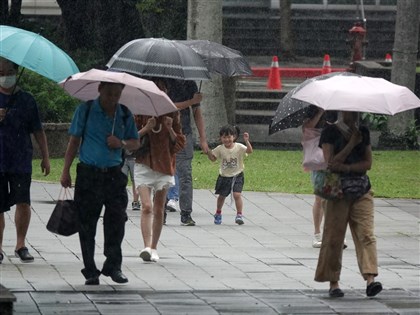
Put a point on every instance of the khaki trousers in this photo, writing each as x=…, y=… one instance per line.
x=359, y=215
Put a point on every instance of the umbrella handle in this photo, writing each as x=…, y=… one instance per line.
x=199, y=88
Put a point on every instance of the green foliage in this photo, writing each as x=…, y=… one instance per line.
x=412, y=135
x=375, y=121
x=88, y=58
x=164, y=18
x=54, y=103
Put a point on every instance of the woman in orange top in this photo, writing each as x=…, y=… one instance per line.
x=161, y=138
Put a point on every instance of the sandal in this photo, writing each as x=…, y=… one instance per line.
x=373, y=289
x=337, y=292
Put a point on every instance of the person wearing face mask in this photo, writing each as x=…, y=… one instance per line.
x=19, y=118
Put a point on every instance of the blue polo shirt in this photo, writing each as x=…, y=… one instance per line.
x=21, y=120
x=94, y=149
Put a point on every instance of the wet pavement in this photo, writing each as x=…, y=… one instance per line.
x=265, y=266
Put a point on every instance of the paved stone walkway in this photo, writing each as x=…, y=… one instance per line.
x=265, y=266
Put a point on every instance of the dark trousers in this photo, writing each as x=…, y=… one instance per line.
x=94, y=189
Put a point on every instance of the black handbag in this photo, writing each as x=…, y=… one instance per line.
x=355, y=187
x=64, y=219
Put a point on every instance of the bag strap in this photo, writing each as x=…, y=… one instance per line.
x=65, y=194
x=89, y=106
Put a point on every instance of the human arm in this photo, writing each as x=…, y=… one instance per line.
x=211, y=156
x=69, y=156
x=117, y=143
x=248, y=144
x=168, y=121
x=177, y=137
x=197, y=98
x=355, y=139
x=199, y=122
x=362, y=166
x=355, y=155
x=312, y=122
x=41, y=139
x=150, y=124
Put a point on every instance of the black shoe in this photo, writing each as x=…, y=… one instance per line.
x=187, y=220
x=373, y=289
x=116, y=276
x=92, y=281
x=23, y=254
x=1, y=258
x=336, y=292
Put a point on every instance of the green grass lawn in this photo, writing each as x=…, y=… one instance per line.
x=394, y=174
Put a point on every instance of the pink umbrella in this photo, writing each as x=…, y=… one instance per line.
x=141, y=96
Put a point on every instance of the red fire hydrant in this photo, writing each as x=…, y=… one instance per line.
x=357, y=40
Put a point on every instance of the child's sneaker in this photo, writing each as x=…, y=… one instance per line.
x=317, y=242
x=135, y=205
x=217, y=219
x=239, y=220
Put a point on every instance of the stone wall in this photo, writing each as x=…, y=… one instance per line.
x=57, y=137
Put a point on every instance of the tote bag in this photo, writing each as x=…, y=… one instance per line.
x=64, y=219
x=327, y=185
x=313, y=157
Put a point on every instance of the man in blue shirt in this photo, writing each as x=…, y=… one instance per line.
x=102, y=128
x=19, y=118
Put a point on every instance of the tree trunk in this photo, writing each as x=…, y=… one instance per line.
x=15, y=8
x=103, y=25
x=286, y=40
x=4, y=12
x=205, y=22
x=77, y=16
x=405, y=57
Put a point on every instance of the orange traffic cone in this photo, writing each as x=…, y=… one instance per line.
x=326, y=66
x=274, y=81
x=388, y=58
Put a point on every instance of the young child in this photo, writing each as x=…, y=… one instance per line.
x=231, y=177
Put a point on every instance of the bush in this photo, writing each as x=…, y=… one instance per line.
x=55, y=105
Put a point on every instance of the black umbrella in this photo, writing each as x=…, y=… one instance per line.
x=219, y=58
x=291, y=112
x=159, y=57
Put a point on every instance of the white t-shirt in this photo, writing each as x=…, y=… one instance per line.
x=231, y=160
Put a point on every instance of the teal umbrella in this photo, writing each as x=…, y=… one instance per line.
x=35, y=52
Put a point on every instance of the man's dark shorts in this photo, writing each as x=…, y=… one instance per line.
x=14, y=189
x=224, y=184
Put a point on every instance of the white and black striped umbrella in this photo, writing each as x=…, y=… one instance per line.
x=159, y=57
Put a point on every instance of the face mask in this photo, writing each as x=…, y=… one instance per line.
x=7, y=82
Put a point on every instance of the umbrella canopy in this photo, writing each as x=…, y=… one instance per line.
x=32, y=51
x=159, y=57
x=219, y=58
x=291, y=112
x=358, y=94
x=141, y=96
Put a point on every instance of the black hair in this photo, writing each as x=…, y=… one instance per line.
x=331, y=116
x=311, y=111
x=328, y=116
x=14, y=65
x=105, y=83
x=229, y=130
